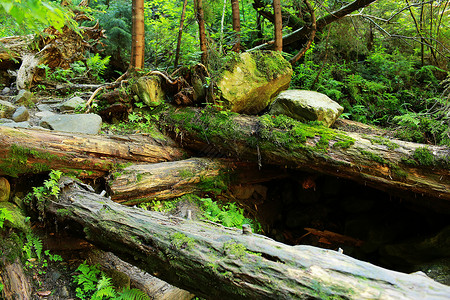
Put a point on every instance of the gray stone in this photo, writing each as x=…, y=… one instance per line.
x=24, y=97
x=6, y=90
x=21, y=114
x=5, y=120
x=24, y=124
x=251, y=81
x=82, y=123
x=306, y=106
x=43, y=114
x=44, y=107
x=72, y=104
x=6, y=109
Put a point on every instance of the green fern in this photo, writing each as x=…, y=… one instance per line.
x=5, y=215
x=132, y=294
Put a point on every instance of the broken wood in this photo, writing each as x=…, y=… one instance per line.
x=25, y=151
x=16, y=285
x=155, y=288
x=215, y=262
x=145, y=182
x=382, y=163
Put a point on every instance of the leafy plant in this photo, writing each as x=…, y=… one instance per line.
x=93, y=284
x=97, y=66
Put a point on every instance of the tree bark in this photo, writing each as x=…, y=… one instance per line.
x=278, y=26
x=25, y=151
x=388, y=164
x=201, y=31
x=236, y=25
x=16, y=284
x=138, y=35
x=215, y=262
x=180, y=33
x=168, y=180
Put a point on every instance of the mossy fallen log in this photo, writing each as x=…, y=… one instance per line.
x=383, y=163
x=223, y=263
x=25, y=151
x=144, y=182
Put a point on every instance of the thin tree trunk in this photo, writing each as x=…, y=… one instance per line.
x=201, y=31
x=138, y=35
x=278, y=30
x=312, y=33
x=180, y=33
x=236, y=25
x=221, y=25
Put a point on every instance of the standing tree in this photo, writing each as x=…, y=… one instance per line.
x=201, y=30
x=236, y=24
x=138, y=35
x=180, y=33
x=278, y=26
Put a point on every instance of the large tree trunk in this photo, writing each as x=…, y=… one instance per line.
x=168, y=180
x=236, y=25
x=278, y=26
x=388, y=164
x=201, y=30
x=138, y=35
x=223, y=263
x=32, y=151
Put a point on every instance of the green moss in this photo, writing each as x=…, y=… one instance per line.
x=216, y=184
x=269, y=63
x=238, y=250
x=185, y=174
x=181, y=241
x=16, y=161
x=424, y=156
x=383, y=141
x=374, y=157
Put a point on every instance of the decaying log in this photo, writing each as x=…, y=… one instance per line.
x=155, y=288
x=33, y=151
x=387, y=164
x=16, y=285
x=166, y=180
x=222, y=263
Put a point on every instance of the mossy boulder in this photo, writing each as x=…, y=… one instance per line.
x=4, y=189
x=249, y=82
x=306, y=106
x=6, y=109
x=149, y=90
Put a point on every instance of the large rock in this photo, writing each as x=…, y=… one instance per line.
x=306, y=106
x=72, y=104
x=5, y=189
x=21, y=114
x=251, y=81
x=149, y=90
x=6, y=109
x=82, y=123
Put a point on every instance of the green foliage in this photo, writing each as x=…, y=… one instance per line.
x=424, y=156
x=229, y=214
x=97, y=66
x=32, y=14
x=93, y=284
x=34, y=256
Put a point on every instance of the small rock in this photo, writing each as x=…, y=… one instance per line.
x=72, y=104
x=5, y=189
x=306, y=106
x=21, y=114
x=55, y=275
x=64, y=292
x=6, y=109
x=44, y=107
x=6, y=90
x=82, y=123
x=43, y=114
x=24, y=97
x=149, y=90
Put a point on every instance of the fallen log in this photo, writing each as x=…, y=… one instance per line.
x=382, y=163
x=155, y=288
x=167, y=180
x=215, y=262
x=25, y=151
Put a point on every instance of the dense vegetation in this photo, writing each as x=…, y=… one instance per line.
x=387, y=63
